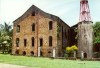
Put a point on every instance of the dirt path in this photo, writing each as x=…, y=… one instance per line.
x=11, y=66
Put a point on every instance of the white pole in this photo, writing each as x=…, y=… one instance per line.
x=39, y=51
x=82, y=54
x=54, y=52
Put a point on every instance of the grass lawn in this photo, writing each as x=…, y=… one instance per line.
x=36, y=62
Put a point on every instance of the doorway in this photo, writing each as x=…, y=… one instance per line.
x=85, y=55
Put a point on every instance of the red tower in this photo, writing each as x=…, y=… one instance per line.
x=84, y=11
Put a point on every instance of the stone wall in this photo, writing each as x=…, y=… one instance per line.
x=41, y=31
x=63, y=37
x=41, y=21
x=25, y=33
x=85, y=39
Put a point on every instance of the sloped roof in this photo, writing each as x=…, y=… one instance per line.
x=35, y=9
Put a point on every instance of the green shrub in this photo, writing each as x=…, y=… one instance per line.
x=71, y=50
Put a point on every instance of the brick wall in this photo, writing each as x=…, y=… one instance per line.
x=41, y=21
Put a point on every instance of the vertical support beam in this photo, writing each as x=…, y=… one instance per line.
x=85, y=39
x=84, y=11
x=39, y=49
x=54, y=53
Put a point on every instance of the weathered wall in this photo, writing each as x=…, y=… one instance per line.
x=85, y=39
x=41, y=31
x=41, y=21
x=44, y=32
x=62, y=37
x=25, y=33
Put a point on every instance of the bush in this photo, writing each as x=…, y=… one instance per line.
x=96, y=54
x=71, y=50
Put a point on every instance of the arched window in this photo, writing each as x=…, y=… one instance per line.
x=18, y=28
x=25, y=42
x=17, y=52
x=33, y=27
x=50, y=25
x=41, y=53
x=33, y=13
x=50, y=40
x=32, y=53
x=17, y=42
x=32, y=41
x=41, y=42
x=24, y=53
x=85, y=55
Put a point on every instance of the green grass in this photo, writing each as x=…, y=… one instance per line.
x=36, y=62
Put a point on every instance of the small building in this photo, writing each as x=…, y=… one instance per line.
x=37, y=33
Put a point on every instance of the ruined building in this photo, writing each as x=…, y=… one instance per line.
x=85, y=31
x=37, y=33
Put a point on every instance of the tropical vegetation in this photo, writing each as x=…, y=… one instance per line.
x=96, y=39
x=96, y=28
x=5, y=38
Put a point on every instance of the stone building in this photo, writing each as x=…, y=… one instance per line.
x=37, y=33
x=85, y=39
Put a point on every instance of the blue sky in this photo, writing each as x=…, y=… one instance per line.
x=67, y=10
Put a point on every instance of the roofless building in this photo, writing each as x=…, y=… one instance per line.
x=37, y=33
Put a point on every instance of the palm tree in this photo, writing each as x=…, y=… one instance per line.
x=5, y=37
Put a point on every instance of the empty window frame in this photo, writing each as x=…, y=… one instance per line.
x=18, y=28
x=41, y=42
x=50, y=40
x=33, y=27
x=50, y=25
x=24, y=53
x=41, y=53
x=33, y=13
x=32, y=53
x=17, y=52
x=25, y=42
x=17, y=42
x=32, y=41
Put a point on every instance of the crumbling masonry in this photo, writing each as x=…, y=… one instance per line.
x=37, y=33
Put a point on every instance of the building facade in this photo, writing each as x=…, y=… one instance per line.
x=37, y=33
